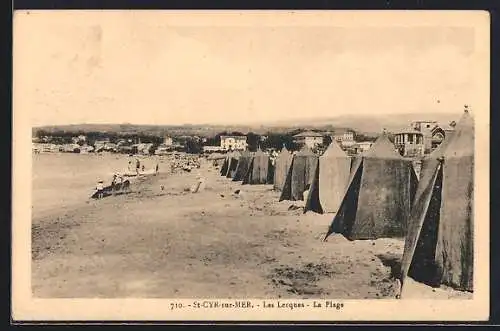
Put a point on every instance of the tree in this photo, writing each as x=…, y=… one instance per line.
x=364, y=137
x=214, y=141
x=253, y=141
x=327, y=140
x=276, y=141
x=152, y=149
x=193, y=147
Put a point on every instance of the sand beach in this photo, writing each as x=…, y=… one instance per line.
x=162, y=241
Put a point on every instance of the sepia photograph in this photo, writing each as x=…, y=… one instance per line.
x=237, y=165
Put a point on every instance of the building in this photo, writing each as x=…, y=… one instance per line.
x=105, y=145
x=168, y=141
x=70, y=148
x=100, y=145
x=84, y=149
x=410, y=142
x=212, y=149
x=438, y=134
x=142, y=148
x=425, y=127
x=362, y=146
x=309, y=138
x=345, y=137
x=125, y=149
x=45, y=148
x=433, y=133
x=80, y=139
x=235, y=143
x=163, y=150
x=110, y=147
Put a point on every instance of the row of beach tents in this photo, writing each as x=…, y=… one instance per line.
x=377, y=194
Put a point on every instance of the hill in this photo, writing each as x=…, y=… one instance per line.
x=364, y=124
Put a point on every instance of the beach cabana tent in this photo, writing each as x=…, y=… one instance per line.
x=242, y=166
x=225, y=165
x=439, y=245
x=260, y=170
x=377, y=201
x=230, y=159
x=233, y=158
x=300, y=174
x=218, y=158
x=281, y=167
x=330, y=180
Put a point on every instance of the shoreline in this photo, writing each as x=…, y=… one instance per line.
x=56, y=222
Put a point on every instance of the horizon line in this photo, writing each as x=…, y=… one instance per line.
x=279, y=122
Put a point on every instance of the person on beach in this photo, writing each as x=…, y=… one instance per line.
x=100, y=189
x=113, y=183
x=137, y=165
x=306, y=192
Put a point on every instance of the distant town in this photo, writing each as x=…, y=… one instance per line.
x=415, y=140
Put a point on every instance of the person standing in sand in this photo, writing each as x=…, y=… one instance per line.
x=114, y=182
x=306, y=193
x=100, y=189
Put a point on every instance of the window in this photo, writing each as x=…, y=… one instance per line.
x=428, y=126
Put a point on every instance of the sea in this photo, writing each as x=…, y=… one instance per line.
x=65, y=180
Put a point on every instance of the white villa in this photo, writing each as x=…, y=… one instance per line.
x=235, y=143
x=345, y=137
x=309, y=138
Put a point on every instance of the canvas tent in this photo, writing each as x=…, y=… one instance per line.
x=260, y=170
x=439, y=245
x=330, y=180
x=225, y=165
x=378, y=198
x=242, y=166
x=300, y=174
x=217, y=158
x=281, y=167
x=232, y=162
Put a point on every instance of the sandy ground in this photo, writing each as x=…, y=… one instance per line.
x=155, y=243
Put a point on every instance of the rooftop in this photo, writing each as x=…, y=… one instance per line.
x=342, y=131
x=408, y=130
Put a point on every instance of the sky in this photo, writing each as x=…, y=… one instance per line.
x=159, y=68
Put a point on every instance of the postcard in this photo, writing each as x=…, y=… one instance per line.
x=250, y=165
